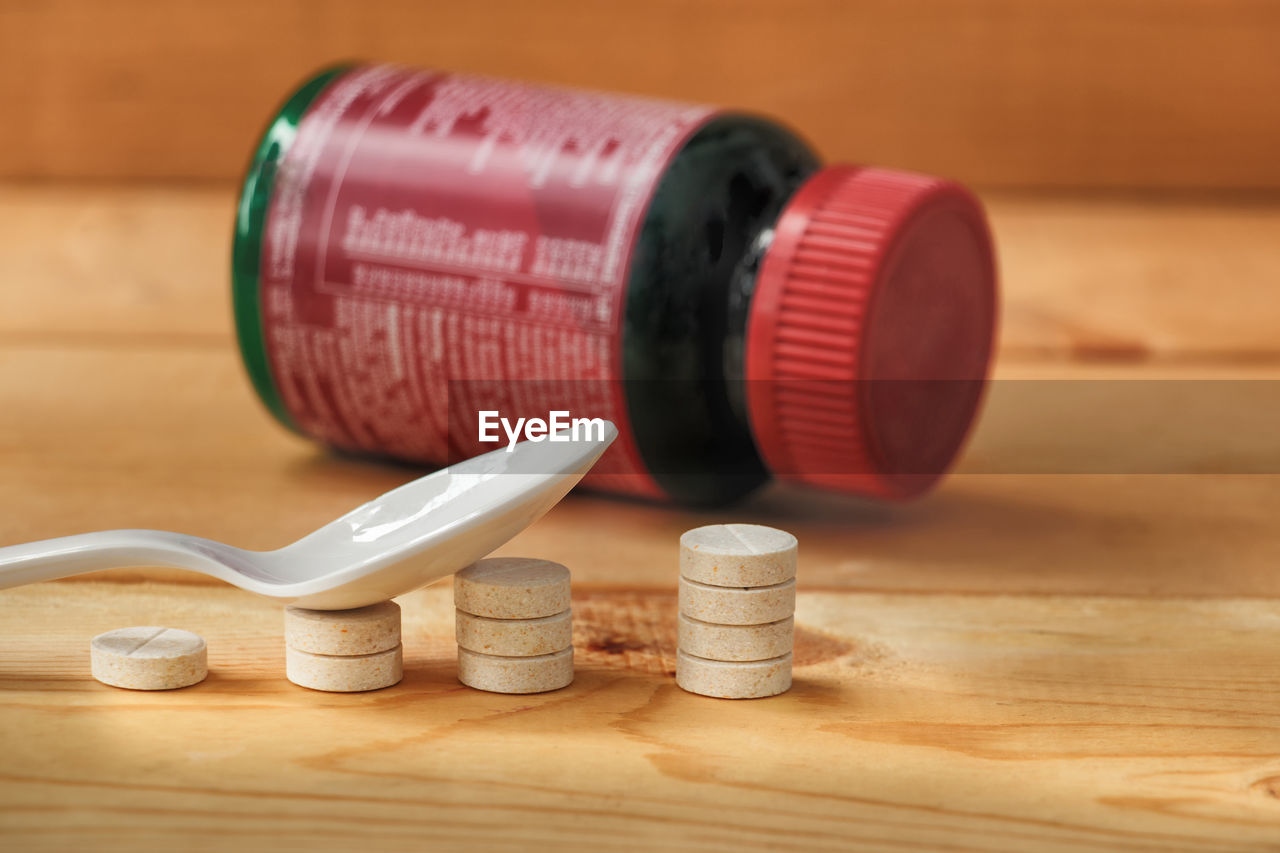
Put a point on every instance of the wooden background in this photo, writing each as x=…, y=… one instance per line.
x=1011, y=93
x=1018, y=662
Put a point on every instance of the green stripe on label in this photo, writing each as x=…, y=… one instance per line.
x=246, y=246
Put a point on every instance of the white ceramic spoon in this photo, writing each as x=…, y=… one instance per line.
x=422, y=531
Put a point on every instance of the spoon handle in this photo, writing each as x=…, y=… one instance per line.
x=50, y=559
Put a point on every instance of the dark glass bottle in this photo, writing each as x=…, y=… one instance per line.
x=692, y=277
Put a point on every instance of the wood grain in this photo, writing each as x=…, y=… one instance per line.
x=119, y=263
x=1019, y=662
x=915, y=723
x=1083, y=278
x=1132, y=280
x=168, y=436
x=124, y=405
x=1056, y=93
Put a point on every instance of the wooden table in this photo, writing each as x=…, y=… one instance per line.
x=1021, y=661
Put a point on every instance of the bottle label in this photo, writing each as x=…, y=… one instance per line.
x=439, y=244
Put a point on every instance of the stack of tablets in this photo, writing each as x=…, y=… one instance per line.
x=344, y=651
x=737, y=605
x=514, y=626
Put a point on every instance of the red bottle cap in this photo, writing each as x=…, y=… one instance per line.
x=870, y=332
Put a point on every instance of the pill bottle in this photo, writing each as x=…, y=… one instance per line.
x=413, y=248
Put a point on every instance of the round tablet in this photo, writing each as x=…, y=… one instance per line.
x=736, y=642
x=362, y=631
x=149, y=658
x=733, y=679
x=738, y=555
x=344, y=673
x=515, y=637
x=512, y=588
x=726, y=605
x=515, y=675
